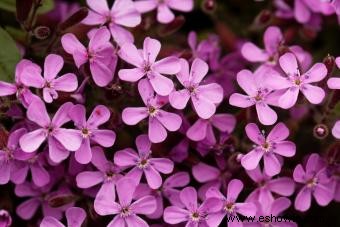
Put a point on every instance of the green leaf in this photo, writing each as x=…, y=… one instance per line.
x=9, y=5
x=9, y=56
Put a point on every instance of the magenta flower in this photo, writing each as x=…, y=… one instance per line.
x=49, y=83
x=258, y=94
x=295, y=81
x=193, y=213
x=75, y=216
x=270, y=148
x=315, y=182
x=23, y=68
x=230, y=206
x=223, y=122
x=107, y=174
x=100, y=55
x=146, y=65
x=159, y=120
x=266, y=186
x=60, y=140
x=122, y=13
x=125, y=210
x=89, y=130
x=5, y=218
x=143, y=163
x=164, y=14
x=204, y=97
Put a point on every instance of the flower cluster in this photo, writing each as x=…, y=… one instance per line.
x=112, y=120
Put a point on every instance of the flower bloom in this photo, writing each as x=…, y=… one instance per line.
x=122, y=13
x=258, y=94
x=204, y=97
x=100, y=55
x=75, y=216
x=107, y=174
x=230, y=206
x=315, y=182
x=269, y=148
x=89, y=130
x=295, y=81
x=5, y=218
x=125, y=210
x=143, y=163
x=49, y=83
x=193, y=213
x=164, y=14
x=159, y=120
x=60, y=140
x=146, y=65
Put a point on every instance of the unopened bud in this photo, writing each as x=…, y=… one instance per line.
x=320, y=131
x=209, y=6
x=5, y=218
x=329, y=63
x=42, y=32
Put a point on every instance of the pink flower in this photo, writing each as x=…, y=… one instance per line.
x=193, y=213
x=23, y=68
x=122, y=13
x=89, y=130
x=143, y=163
x=75, y=216
x=270, y=148
x=204, y=97
x=223, y=122
x=266, y=186
x=295, y=81
x=230, y=206
x=5, y=218
x=146, y=65
x=125, y=210
x=159, y=120
x=100, y=55
x=107, y=174
x=164, y=14
x=60, y=140
x=315, y=182
x=258, y=94
x=49, y=83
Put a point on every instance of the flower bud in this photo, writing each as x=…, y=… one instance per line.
x=329, y=62
x=5, y=218
x=209, y=6
x=320, y=131
x=42, y=32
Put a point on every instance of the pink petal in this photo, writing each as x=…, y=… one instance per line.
x=199, y=70
x=272, y=165
x=62, y=116
x=40, y=176
x=188, y=197
x=252, y=53
x=157, y=132
x=278, y=133
x=215, y=219
x=126, y=157
x=32, y=78
x=254, y=134
x=31, y=141
x=143, y=145
x=285, y=148
x=98, y=159
x=131, y=75
x=336, y=130
x=289, y=64
x=168, y=66
x=56, y=150
x=94, y=18
x=117, y=221
x=7, y=89
x=135, y=221
x=66, y=83
x=245, y=80
x=184, y=74
x=204, y=173
x=27, y=209
x=37, y=113
x=71, y=139
x=129, y=53
x=162, y=85
x=50, y=222
x=151, y=48
x=272, y=39
x=240, y=100
x=198, y=131
x=162, y=165
x=125, y=13
x=175, y=215
x=179, y=179
x=75, y=216
x=164, y=14
x=323, y=194
x=313, y=94
x=303, y=199
x=181, y=5
x=179, y=99
x=203, y=107
x=105, y=138
x=71, y=43
x=170, y=121
x=145, y=205
x=84, y=154
x=212, y=92
x=280, y=205
x=133, y=115
x=317, y=73
x=125, y=188
x=52, y=66
x=101, y=74
x=107, y=207
x=89, y=179
x=5, y=169
x=333, y=83
x=144, y=6
x=146, y=91
x=251, y=160
x=289, y=98
x=101, y=37
x=266, y=115
x=235, y=187
x=283, y=186
x=153, y=177
x=121, y=35
x=99, y=116
x=106, y=193
x=224, y=122
x=299, y=174
x=301, y=12
x=100, y=6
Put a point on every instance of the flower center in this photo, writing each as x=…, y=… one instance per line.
x=125, y=212
x=195, y=216
x=85, y=132
x=311, y=183
x=152, y=111
x=266, y=146
x=229, y=207
x=48, y=84
x=143, y=163
x=297, y=81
